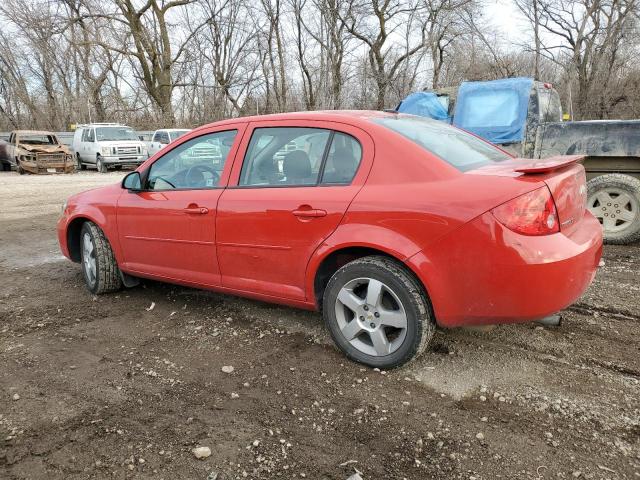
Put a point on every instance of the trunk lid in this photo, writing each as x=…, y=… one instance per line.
x=562, y=174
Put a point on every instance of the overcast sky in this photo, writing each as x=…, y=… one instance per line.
x=506, y=19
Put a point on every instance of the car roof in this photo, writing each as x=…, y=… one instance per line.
x=354, y=117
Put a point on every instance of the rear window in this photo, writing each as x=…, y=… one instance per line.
x=496, y=107
x=459, y=149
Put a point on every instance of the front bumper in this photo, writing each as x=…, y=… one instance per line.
x=124, y=159
x=48, y=168
x=483, y=273
x=61, y=230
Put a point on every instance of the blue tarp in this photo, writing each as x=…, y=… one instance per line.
x=495, y=110
x=425, y=104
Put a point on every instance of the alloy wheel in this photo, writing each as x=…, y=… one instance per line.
x=89, y=259
x=371, y=316
x=615, y=208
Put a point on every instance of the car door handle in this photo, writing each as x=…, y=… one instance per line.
x=196, y=210
x=310, y=213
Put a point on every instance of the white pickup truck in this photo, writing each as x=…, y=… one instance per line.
x=163, y=137
x=107, y=145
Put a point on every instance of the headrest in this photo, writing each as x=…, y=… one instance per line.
x=296, y=164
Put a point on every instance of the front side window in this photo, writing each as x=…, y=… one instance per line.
x=90, y=136
x=110, y=134
x=284, y=156
x=456, y=147
x=196, y=164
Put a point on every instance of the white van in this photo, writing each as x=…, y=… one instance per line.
x=105, y=145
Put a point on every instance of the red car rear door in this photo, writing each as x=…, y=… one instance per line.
x=168, y=230
x=289, y=189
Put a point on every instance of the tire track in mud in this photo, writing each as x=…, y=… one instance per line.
x=588, y=309
x=518, y=349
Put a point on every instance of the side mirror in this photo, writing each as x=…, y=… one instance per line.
x=132, y=182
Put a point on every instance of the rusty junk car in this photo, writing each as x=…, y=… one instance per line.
x=38, y=152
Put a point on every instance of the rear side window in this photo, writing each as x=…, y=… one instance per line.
x=284, y=156
x=456, y=147
x=300, y=156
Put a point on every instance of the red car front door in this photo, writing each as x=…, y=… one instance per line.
x=284, y=199
x=168, y=230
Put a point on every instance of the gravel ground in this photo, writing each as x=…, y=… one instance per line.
x=127, y=385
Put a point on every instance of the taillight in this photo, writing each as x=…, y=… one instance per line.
x=533, y=213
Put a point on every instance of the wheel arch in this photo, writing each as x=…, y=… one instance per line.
x=598, y=166
x=74, y=228
x=325, y=264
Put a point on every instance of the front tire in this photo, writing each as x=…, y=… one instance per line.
x=377, y=312
x=100, y=165
x=614, y=199
x=79, y=164
x=99, y=266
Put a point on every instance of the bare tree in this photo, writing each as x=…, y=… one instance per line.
x=152, y=45
x=375, y=23
x=587, y=37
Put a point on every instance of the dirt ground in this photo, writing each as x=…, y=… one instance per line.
x=109, y=387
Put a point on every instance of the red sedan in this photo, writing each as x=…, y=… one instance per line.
x=389, y=224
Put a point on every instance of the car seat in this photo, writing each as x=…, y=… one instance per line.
x=296, y=168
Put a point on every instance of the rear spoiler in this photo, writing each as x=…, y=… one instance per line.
x=546, y=165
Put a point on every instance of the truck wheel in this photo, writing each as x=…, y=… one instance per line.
x=102, y=168
x=80, y=165
x=99, y=267
x=377, y=313
x=614, y=199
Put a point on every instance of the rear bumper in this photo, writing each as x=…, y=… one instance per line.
x=483, y=273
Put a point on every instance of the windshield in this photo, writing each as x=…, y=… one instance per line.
x=38, y=139
x=107, y=134
x=177, y=134
x=456, y=147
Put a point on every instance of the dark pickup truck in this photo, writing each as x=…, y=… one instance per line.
x=524, y=117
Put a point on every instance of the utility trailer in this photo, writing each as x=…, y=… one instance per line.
x=524, y=117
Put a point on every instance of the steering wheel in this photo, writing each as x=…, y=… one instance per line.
x=200, y=181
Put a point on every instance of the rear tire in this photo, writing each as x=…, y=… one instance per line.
x=377, y=313
x=99, y=267
x=614, y=199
